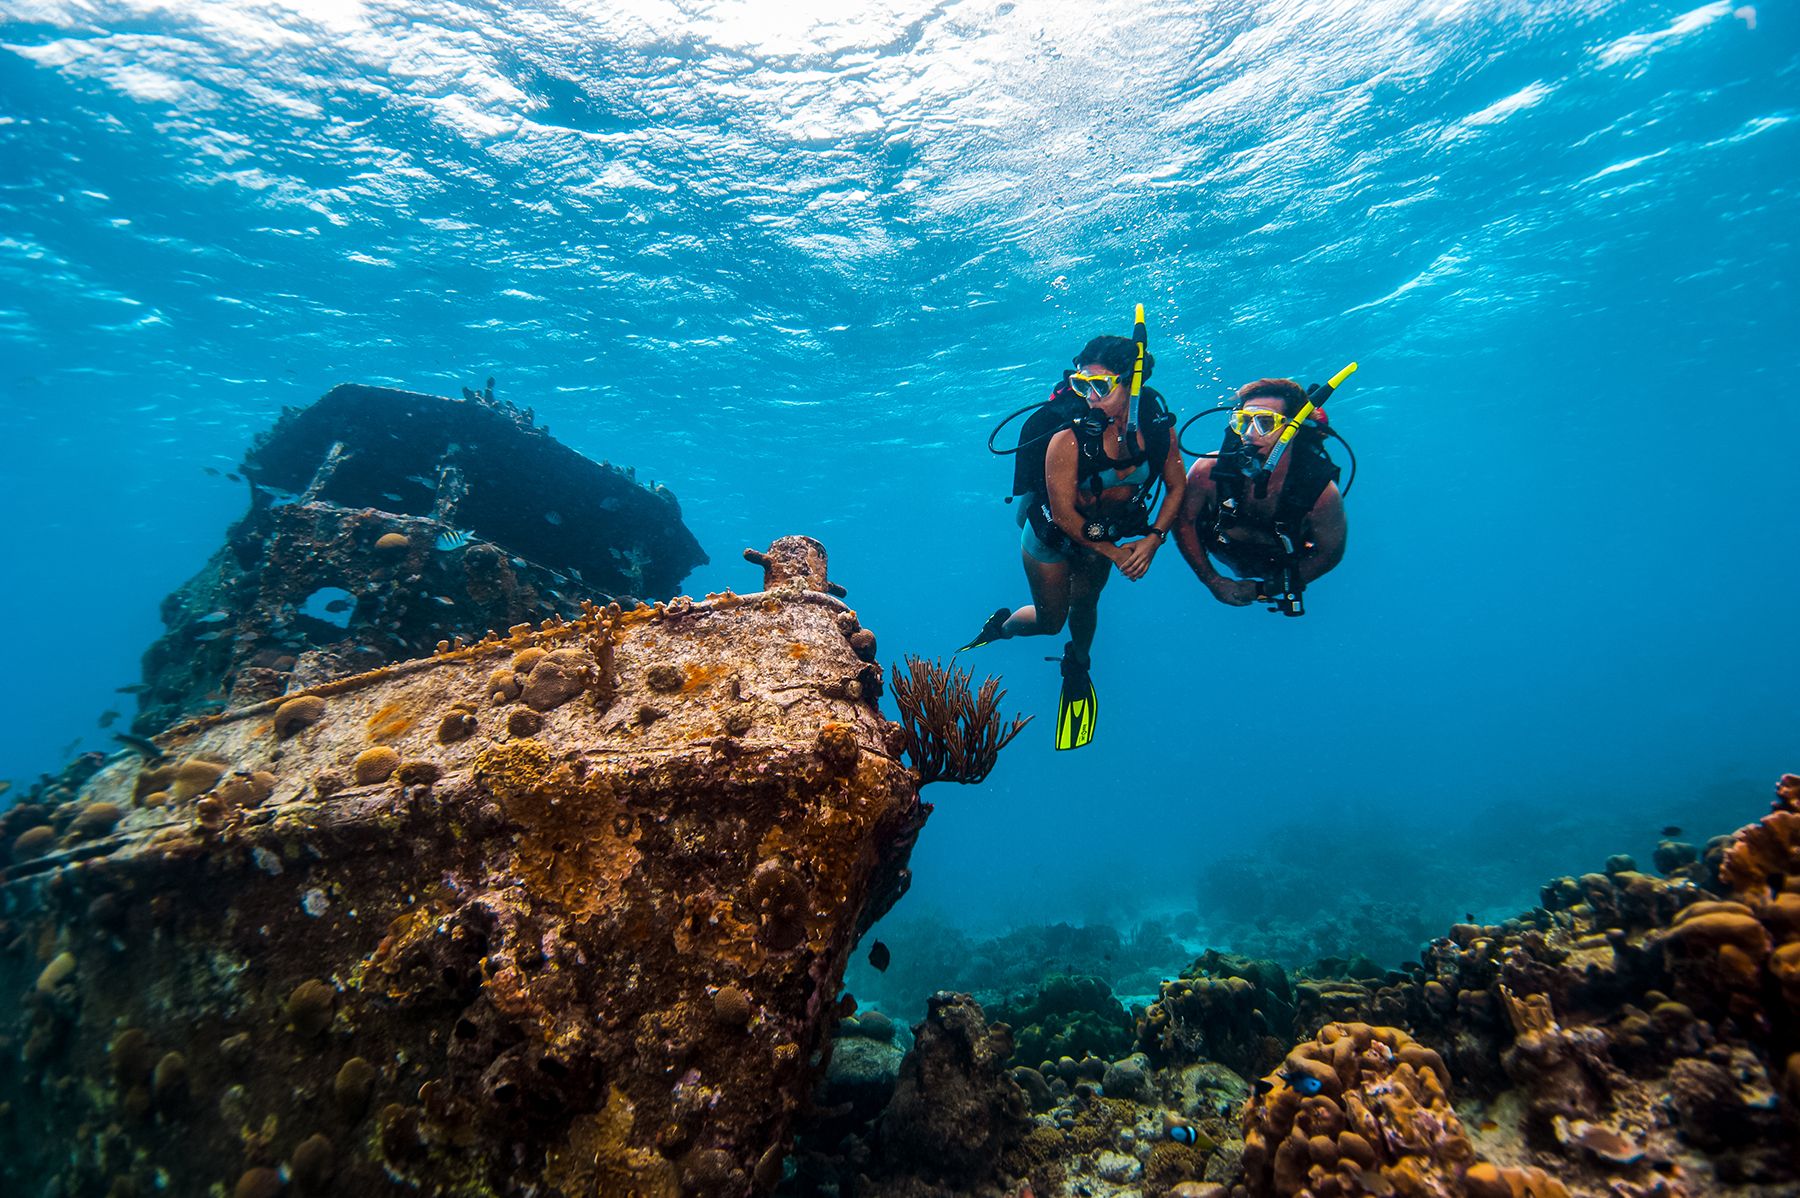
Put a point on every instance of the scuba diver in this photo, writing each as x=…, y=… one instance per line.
x=1089, y=463
x=1266, y=506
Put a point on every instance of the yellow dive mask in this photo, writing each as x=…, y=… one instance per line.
x=1092, y=386
x=1260, y=421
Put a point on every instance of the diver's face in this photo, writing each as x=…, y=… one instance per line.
x=1112, y=399
x=1260, y=431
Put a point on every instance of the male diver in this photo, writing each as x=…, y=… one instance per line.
x=1090, y=461
x=1267, y=507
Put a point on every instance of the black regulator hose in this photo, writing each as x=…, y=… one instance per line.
x=1031, y=407
x=1345, y=489
x=1195, y=453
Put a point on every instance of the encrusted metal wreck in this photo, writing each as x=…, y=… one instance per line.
x=563, y=911
x=384, y=521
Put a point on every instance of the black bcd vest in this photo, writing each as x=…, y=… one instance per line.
x=1310, y=471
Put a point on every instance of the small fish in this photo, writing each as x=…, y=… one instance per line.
x=448, y=542
x=218, y=617
x=1488, y=1125
x=107, y=717
x=1468, y=917
x=444, y=599
x=609, y=504
x=390, y=497
x=337, y=605
x=5, y=785
x=236, y=478
x=209, y=636
x=879, y=956
x=211, y=473
x=422, y=481
x=1672, y=830
x=68, y=750
x=136, y=688
x=553, y=517
x=1303, y=1083
x=1183, y=1132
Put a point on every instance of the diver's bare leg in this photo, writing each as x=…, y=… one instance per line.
x=1049, y=606
x=1088, y=576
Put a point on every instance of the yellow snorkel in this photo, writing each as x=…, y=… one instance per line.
x=1141, y=336
x=1316, y=395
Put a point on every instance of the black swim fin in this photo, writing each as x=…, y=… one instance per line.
x=990, y=631
x=1078, y=708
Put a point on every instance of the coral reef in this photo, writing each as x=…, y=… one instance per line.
x=1366, y=1110
x=384, y=521
x=1633, y=1037
x=340, y=952
x=956, y=1108
x=1223, y=1008
x=1633, y=1030
x=1066, y=1017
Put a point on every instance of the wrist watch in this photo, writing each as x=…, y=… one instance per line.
x=1162, y=534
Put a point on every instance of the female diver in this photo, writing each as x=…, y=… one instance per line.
x=1090, y=490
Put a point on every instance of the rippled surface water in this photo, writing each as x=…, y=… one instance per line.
x=795, y=259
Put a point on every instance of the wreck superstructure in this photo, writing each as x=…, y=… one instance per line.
x=383, y=521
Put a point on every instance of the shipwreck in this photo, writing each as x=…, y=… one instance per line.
x=563, y=910
x=384, y=521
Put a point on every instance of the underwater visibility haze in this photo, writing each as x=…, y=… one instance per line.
x=794, y=261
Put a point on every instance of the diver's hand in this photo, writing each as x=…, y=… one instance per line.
x=1234, y=591
x=1134, y=559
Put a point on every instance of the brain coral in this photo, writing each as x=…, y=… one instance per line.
x=375, y=765
x=556, y=679
x=296, y=714
x=1361, y=1109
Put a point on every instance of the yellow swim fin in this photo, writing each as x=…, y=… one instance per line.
x=1078, y=707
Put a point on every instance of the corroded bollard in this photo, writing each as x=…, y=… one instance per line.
x=795, y=561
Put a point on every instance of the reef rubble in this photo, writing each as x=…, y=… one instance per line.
x=561, y=912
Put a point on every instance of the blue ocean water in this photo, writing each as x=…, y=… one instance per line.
x=795, y=260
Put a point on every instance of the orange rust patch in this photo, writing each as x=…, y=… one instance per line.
x=798, y=650
x=389, y=722
x=704, y=675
